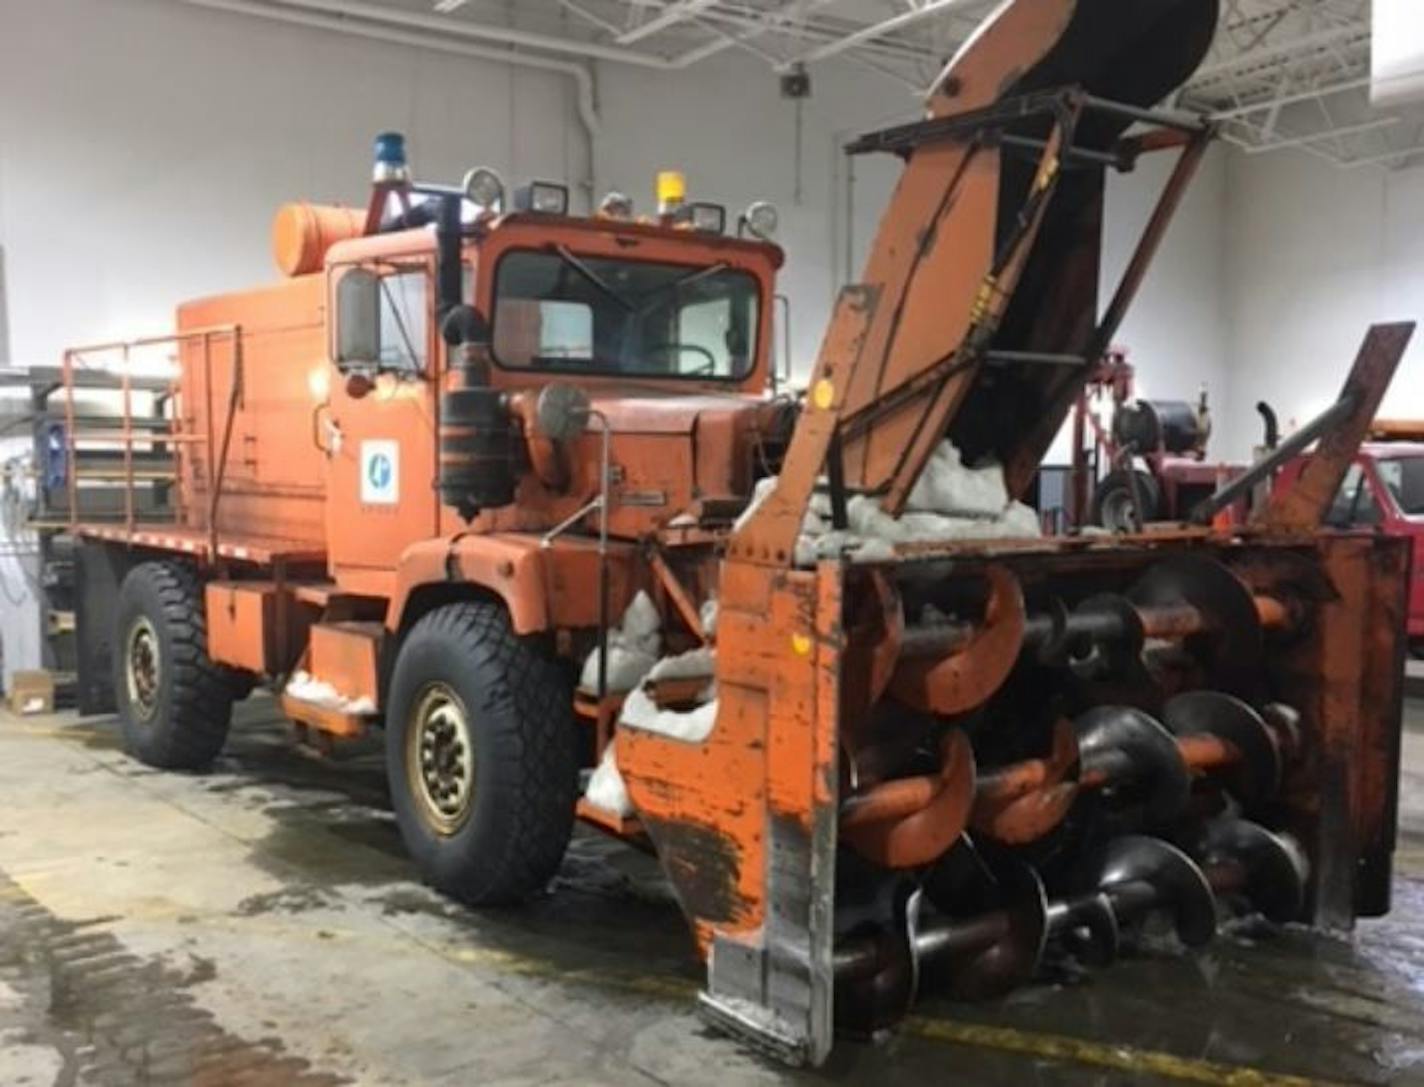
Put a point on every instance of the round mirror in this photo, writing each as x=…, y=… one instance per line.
x=562, y=412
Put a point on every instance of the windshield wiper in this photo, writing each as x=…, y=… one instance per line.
x=589, y=274
x=679, y=283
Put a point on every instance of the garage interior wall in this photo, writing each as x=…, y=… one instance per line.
x=1316, y=254
x=145, y=145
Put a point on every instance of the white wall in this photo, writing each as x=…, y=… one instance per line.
x=1176, y=331
x=144, y=146
x=1316, y=255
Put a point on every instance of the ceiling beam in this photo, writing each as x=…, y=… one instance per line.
x=885, y=26
x=670, y=16
x=469, y=28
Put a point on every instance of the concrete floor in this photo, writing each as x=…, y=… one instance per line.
x=261, y=925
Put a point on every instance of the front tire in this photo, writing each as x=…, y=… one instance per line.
x=174, y=703
x=481, y=755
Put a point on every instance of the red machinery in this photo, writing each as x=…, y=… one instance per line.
x=1168, y=437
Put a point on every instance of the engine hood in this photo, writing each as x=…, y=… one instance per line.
x=673, y=413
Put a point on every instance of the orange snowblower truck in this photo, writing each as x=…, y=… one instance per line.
x=482, y=476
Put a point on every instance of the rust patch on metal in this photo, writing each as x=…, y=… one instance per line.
x=703, y=865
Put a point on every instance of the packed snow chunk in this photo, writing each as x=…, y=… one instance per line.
x=760, y=493
x=949, y=502
x=947, y=486
x=633, y=648
x=307, y=688
x=606, y=789
x=707, y=617
x=641, y=712
x=641, y=627
x=693, y=663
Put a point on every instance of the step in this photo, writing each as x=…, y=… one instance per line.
x=323, y=718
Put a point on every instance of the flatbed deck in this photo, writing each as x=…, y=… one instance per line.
x=242, y=547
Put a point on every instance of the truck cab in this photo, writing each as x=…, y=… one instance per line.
x=1383, y=490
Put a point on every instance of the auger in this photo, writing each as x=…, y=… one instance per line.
x=1116, y=885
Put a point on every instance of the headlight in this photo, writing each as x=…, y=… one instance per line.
x=761, y=219
x=708, y=218
x=484, y=189
x=543, y=197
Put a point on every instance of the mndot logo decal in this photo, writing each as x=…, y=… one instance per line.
x=380, y=472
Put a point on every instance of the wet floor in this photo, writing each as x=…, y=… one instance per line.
x=262, y=925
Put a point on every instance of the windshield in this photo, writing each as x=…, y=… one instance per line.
x=556, y=310
x=1404, y=476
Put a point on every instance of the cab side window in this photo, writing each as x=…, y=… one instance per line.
x=382, y=319
x=403, y=332
x=1354, y=503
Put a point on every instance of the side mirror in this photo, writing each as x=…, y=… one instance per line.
x=562, y=412
x=358, y=318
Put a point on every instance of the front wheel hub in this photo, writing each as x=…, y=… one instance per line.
x=440, y=759
x=143, y=667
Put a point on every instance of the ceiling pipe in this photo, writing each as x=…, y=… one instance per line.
x=583, y=82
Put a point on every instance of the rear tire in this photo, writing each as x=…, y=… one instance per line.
x=174, y=703
x=481, y=755
x=1114, y=499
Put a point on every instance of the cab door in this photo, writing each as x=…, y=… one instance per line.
x=380, y=427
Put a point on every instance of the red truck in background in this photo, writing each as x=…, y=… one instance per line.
x=1384, y=489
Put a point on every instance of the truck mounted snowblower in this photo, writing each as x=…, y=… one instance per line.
x=512, y=484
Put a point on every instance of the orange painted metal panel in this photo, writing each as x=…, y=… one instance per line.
x=272, y=479
x=240, y=617
x=347, y=655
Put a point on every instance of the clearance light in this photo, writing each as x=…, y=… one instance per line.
x=616, y=205
x=543, y=197
x=672, y=191
x=484, y=189
x=760, y=219
x=707, y=218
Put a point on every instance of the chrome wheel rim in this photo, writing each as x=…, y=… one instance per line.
x=440, y=759
x=143, y=668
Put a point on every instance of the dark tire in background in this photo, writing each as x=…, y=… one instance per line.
x=481, y=755
x=1114, y=499
x=174, y=703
